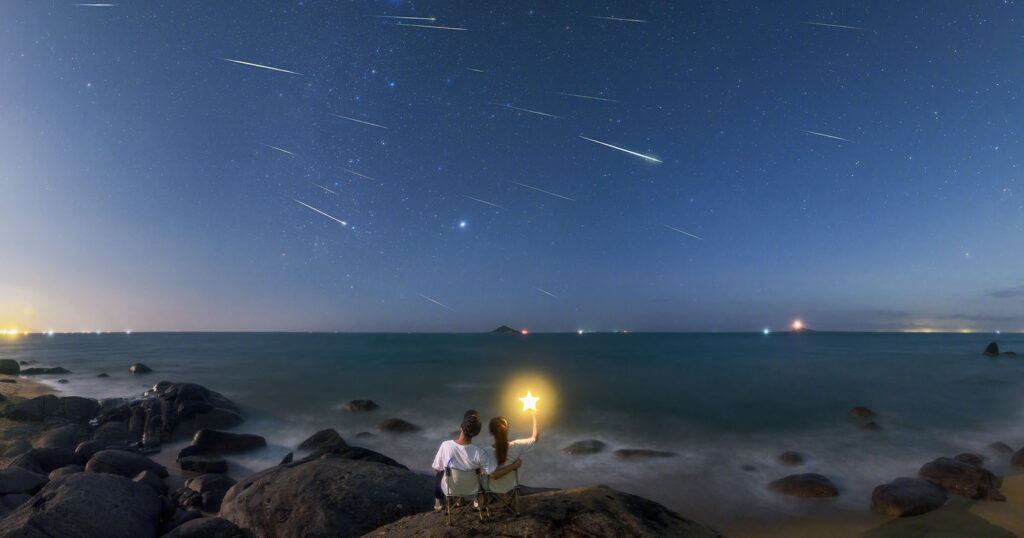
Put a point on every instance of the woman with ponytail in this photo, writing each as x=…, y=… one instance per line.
x=506, y=452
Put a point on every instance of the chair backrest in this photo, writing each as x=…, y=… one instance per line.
x=462, y=482
x=504, y=484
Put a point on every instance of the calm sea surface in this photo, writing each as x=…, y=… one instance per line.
x=719, y=401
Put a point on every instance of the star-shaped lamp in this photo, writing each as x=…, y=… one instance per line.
x=529, y=401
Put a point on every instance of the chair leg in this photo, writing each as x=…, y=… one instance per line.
x=447, y=511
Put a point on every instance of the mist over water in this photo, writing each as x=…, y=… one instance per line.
x=719, y=401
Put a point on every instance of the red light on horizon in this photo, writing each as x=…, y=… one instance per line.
x=524, y=331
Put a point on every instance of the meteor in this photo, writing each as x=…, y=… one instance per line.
x=343, y=223
x=483, y=201
x=405, y=18
x=439, y=303
x=95, y=5
x=641, y=155
x=476, y=70
x=358, y=121
x=324, y=188
x=831, y=25
x=825, y=135
x=682, y=232
x=544, y=191
x=278, y=149
x=434, y=27
x=260, y=66
x=587, y=97
x=532, y=111
x=614, y=18
x=358, y=174
x=545, y=292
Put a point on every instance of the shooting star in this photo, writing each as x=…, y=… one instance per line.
x=260, y=66
x=682, y=232
x=435, y=301
x=531, y=111
x=483, y=201
x=358, y=121
x=476, y=70
x=641, y=155
x=94, y=5
x=587, y=97
x=825, y=135
x=614, y=18
x=544, y=191
x=343, y=223
x=405, y=18
x=324, y=188
x=354, y=173
x=278, y=149
x=545, y=292
x=812, y=23
x=434, y=27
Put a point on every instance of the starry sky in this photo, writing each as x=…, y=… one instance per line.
x=853, y=164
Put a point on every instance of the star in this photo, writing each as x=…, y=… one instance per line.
x=462, y=224
x=529, y=401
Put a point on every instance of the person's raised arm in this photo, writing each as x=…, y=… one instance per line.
x=536, y=435
x=506, y=469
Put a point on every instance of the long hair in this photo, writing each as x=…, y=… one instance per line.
x=499, y=429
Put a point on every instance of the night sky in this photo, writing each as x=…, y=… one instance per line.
x=140, y=187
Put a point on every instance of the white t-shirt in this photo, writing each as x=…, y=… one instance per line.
x=463, y=458
x=515, y=450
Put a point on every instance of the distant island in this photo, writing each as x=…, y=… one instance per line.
x=505, y=329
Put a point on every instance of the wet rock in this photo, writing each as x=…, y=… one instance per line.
x=355, y=453
x=207, y=527
x=45, y=371
x=791, y=458
x=328, y=439
x=102, y=374
x=64, y=437
x=139, y=368
x=906, y=497
x=218, y=442
x=364, y=435
x=806, y=485
x=64, y=471
x=14, y=500
x=203, y=464
x=180, y=517
x=1000, y=447
x=113, y=410
x=992, y=350
x=871, y=427
x=589, y=446
x=115, y=434
x=212, y=488
x=9, y=367
x=33, y=410
x=44, y=460
x=360, y=405
x=17, y=447
x=216, y=419
x=187, y=498
x=962, y=479
x=62, y=381
x=642, y=453
x=862, y=412
x=78, y=409
x=87, y=449
x=149, y=478
x=123, y=463
x=137, y=420
x=397, y=425
x=287, y=459
x=972, y=459
x=19, y=480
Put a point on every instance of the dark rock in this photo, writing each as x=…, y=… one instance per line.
x=212, y=487
x=325, y=497
x=86, y=505
x=151, y=479
x=328, y=439
x=9, y=367
x=17, y=447
x=35, y=409
x=137, y=420
x=218, y=442
x=14, y=500
x=64, y=471
x=23, y=363
x=505, y=329
x=791, y=458
x=590, y=511
x=113, y=410
x=1018, y=459
x=356, y=453
x=906, y=497
x=203, y=464
x=45, y=371
x=87, y=449
x=589, y=446
x=123, y=463
x=287, y=459
x=992, y=350
x=642, y=453
x=805, y=486
x=64, y=437
x=962, y=479
x=189, y=409
x=862, y=412
x=180, y=517
x=397, y=425
x=187, y=498
x=139, y=368
x=364, y=435
x=207, y=527
x=360, y=405
x=1008, y=353
x=871, y=427
x=28, y=462
x=188, y=451
x=217, y=418
x=79, y=410
x=972, y=459
x=6, y=380
x=115, y=434
x=44, y=460
x=62, y=381
x=1000, y=447
x=18, y=480
x=102, y=374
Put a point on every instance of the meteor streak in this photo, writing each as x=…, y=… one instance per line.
x=614, y=18
x=641, y=155
x=483, y=201
x=435, y=301
x=434, y=27
x=825, y=135
x=324, y=188
x=95, y=5
x=343, y=223
x=358, y=174
x=544, y=191
x=587, y=97
x=545, y=292
x=260, y=66
x=831, y=25
x=532, y=111
x=476, y=70
x=405, y=18
x=682, y=232
x=358, y=121
x=278, y=149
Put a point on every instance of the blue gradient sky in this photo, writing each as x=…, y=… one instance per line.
x=136, y=190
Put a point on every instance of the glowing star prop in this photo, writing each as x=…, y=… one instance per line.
x=529, y=401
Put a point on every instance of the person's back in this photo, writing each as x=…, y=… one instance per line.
x=460, y=454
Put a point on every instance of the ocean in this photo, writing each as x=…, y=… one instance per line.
x=727, y=404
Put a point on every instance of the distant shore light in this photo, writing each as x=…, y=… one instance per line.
x=797, y=325
x=766, y=331
x=579, y=331
x=524, y=331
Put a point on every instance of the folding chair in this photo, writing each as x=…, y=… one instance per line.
x=505, y=490
x=461, y=484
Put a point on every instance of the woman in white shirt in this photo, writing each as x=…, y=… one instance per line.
x=505, y=451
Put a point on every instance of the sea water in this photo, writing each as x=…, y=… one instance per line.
x=725, y=404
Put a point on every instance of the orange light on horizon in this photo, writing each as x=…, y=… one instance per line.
x=524, y=331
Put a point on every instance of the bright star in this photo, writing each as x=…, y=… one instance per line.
x=529, y=401
x=462, y=224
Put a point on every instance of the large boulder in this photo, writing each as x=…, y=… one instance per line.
x=906, y=497
x=397, y=425
x=115, y=434
x=21, y=446
x=207, y=527
x=218, y=442
x=123, y=463
x=325, y=497
x=588, y=511
x=139, y=368
x=149, y=478
x=328, y=439
x=180, y=517
x=19, y=480
x=44, y=460
x=87, y=449
x=586, y=447
x=64, y=471
x=78, y=409
x=86, y=505
x=804, y=486
x=9, y=367
x=963, y=479
x=68, y=436
x=35, y=409
x=992, y=350
x=212, y=487
x=203, y=464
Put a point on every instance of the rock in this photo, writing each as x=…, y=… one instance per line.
x=44, y=460
x=115, y=434
x=62, y=381
x=972, y=459
x=123, y=463
x=642, y=453
x=23, y=363
x=203, y=464
x=871, y=427
x=364, y=435
x=18, y=480
x=1000, y=447
x=8, y=380
x=18, y=447
x=187, y=498
x=1008, y=353
x=287, y=459
x=589, y=446
x=397, y=425
x=180, y=517
x=589, y=511
x=216, y=419
x=137, y=420
x=64, y=471
x=992, y=350
x=323, y=440
x=86, y=505
x=962, y=479
x=35, y=409
x=212, y=488
x=906, y=497
x=325, y=497
x=218, y=442
x=149, y=478
x=64, y=437
x=207, y=527
x=102, y=374
x=360, y=405
x=45, y=371
x=9, y=367
x=14, y=500
x=1018, y=459
x=79, y=410
x=356, y=453
x=804, y=486
x=791, y=458
x=139, y=368
x=862, y=412
x=87, y=449
x=113, y=410
x=505, y=329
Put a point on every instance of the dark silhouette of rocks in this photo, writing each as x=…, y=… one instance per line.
x=906, y=497
x=360, y=405
x=9, y=367
x=791, y=458
x=505, y=329
x=963, y=479
x=397, y=425
x=804, y=486
x=862, y=412
x=328, y=439
x=871, y=427
x=218, y=442
x=45, y=371
x=139, y=368
x=585, y=447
